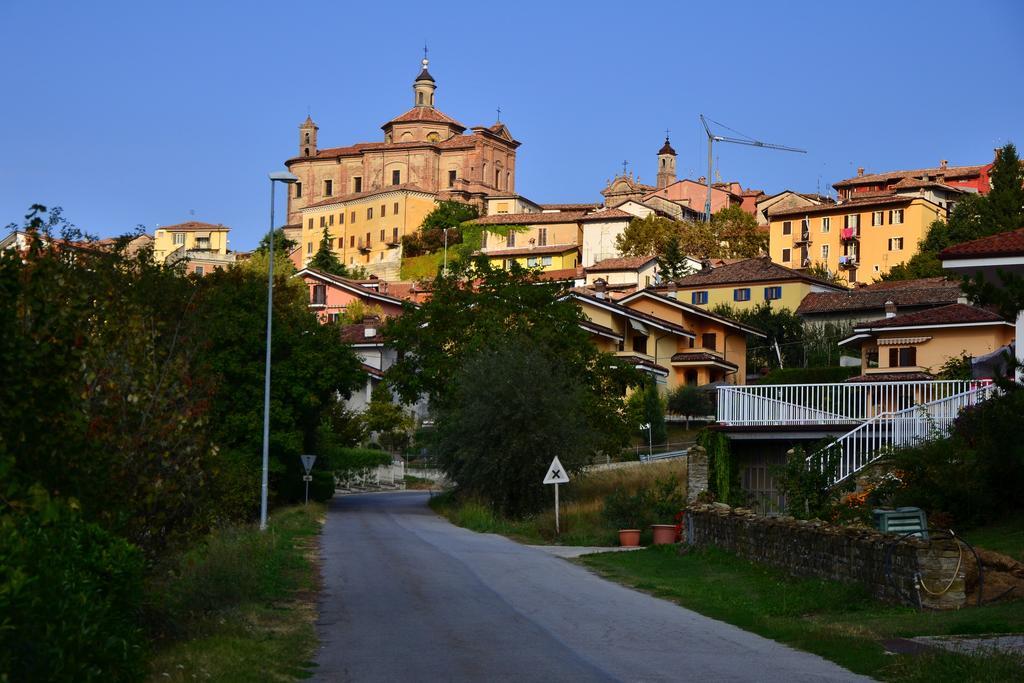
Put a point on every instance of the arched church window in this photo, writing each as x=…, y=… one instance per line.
x=432, y=136
x=420, y=101
x=307, y=151
x=307, y=138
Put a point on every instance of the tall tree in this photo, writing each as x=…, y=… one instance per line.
x=736, y=234
x=672, y=261
x=325, y=259
x=1006, y=198
x=646, y=236
x=447, y=215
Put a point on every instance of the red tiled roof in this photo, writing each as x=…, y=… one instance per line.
x=528, y=218
x=953, y=314
x=572, y=207
x=1004, y=244
x=356, y=334
x=532, y=251
x=560, y=275
x=193, y=226
x=933, y=291
x=912, y=376
x=750, y=270
x=948, y=172
x=700, y=357
x=599, y=329
x=372, y=371
x=454, y=142
x=884, y=198
x=428, y=114
x=623, y=263
x=584, y=293
x=914, y=184
x=607, y=215
x=643, y=363
x=354, y=196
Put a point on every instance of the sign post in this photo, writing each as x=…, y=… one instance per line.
x=307, y=463
x=556, y=475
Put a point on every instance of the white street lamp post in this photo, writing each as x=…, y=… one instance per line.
x=286, y=178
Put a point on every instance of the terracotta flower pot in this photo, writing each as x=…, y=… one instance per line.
x=629, y=537
x=664, y=534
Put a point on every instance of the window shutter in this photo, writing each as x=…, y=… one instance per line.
x=894, y=357
x=912, y=355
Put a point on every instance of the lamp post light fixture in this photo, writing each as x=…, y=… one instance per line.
x=650, y=438
x=288, y=179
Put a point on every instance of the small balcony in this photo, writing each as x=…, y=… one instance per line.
x=803, y=238
x=364, y=246
x=848, y=261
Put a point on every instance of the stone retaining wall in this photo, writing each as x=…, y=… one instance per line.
x=846, y=554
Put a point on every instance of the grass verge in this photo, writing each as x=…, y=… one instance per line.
x=1005, y=536
x=421, y=267
x=838, y=622
x=242, y=606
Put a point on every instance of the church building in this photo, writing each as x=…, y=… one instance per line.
x=424, y=154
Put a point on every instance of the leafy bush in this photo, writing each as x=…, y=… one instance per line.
x=723, y=470
x=978, y=472
x=352, y=459
x=806, y=482
x=623, y=510
x=666, y=499
x=70, y=595
x=690, y=401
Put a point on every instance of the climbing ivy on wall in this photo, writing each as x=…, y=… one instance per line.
x=723, y=472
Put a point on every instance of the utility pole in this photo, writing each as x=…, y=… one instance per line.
x=712, y=138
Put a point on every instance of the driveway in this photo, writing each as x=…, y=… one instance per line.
x=410, y=597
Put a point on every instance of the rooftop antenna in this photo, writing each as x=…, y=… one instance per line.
x=744, y=140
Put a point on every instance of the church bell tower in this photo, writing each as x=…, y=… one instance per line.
x=666, y=165
x=307, y=138
x=423, y=87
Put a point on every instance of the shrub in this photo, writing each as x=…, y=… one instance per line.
x=627, y=511
x=806, y=482
x=690, y=401
x=666, y=499
x=809, y=375
x=70, y=595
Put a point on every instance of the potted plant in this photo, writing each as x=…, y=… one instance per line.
x=666, y=501
x=627, y=513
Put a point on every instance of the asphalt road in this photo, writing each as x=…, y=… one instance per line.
x=409, y=597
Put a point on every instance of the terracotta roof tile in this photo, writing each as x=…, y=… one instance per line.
x=935, y=291
x=528, y=218
x=642, y=363
x=372, y=371
x=531, y=251
x=356, y=334
x=749, y=270
x=948, y=172
x=561, y=275
x=584, y=206
x=428, y=114
x=584, y=293
x=1004, y=244
x=599, y=329
x=913, y=376
x=193, y=226
x=700, y=357
x=606, y=215
x=623, y=263
x=883, y=198
x=952, y=314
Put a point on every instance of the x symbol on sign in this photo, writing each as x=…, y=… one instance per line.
x=557, y=474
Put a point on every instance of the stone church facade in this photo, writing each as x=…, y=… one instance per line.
x=422, y=149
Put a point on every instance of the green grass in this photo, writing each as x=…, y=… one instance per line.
x=839, y=622
x=421, y=267
x=1005, y=536
x=242, y=606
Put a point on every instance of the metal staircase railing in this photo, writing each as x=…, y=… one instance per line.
x=879, y=435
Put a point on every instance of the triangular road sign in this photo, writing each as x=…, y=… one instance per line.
x=307, y=462
x=556, y=473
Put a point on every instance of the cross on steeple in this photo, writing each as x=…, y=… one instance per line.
x=625, y=164
x=425, y=49
x=499, y=113
x=667, y=131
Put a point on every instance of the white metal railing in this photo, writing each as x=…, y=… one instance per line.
x=829, y=404
x=871, y=440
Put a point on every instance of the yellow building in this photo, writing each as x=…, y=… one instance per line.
x=171, y=242
x=860, y=239
x=917, y=345
x=366, y=228
x=746, y=284
x=718, y=350
x=548, y=240
x=676, y=343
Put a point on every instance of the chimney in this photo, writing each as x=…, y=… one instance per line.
x=370, y=323
x=890, y=309
x=860, y=172
x=673, y=290
x=599, y=287
x=944, y=164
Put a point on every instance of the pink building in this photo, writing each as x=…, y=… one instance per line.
x=330, y=295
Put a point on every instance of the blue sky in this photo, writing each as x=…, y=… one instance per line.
x=142, y=113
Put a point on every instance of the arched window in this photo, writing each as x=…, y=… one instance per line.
x=307, y=138
x=432, y=136
x=508, y=180
x=307, y=152
x=420, y=101
x=663, y=163
x=497, y=178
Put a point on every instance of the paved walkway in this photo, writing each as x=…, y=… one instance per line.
x=409, y=597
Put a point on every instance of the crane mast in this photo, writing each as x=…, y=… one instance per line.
x=712, y=138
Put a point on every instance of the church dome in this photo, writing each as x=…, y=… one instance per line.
x=667, y=148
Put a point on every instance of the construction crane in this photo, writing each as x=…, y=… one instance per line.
x=712, y=138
